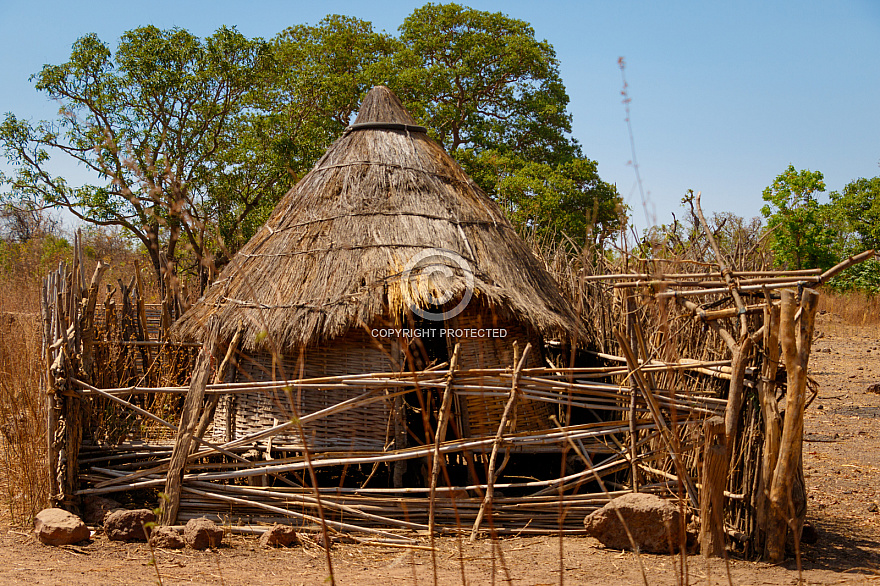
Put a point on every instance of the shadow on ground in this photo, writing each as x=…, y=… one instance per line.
x=839, y=548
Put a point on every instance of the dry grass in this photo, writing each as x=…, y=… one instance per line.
x=856, y=308
x=22, y=441
x=23, y=480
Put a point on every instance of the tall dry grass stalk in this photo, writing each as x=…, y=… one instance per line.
x=22, y=422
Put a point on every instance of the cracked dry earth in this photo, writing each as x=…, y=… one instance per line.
x=842, y=467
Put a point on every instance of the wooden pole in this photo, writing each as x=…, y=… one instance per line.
x=714, y=479
x=796, y=335
x=490, y=475
x=440, y=436
x=188, y=421
x=50, y=309
x=735, y=390
x=88, y=323
x=770, y=414
x=207, y=414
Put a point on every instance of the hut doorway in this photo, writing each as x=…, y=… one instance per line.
x=431, y=347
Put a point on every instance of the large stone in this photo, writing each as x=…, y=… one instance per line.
x=202, y=533
x=95, y=509
x=167, y=538
x=59, y=527
x=279, y=536
x=128, y=525
x=655, y=524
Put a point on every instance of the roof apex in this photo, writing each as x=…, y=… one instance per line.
x=381, y=105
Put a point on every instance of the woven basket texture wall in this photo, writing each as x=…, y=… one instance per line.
x=480, y=416
x=359, y=429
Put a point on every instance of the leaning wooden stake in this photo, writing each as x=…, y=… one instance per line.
x=712, y=493
x=207, y=415
x=490, y=474
x=796, y=336
x=735, y=392
x=189, y=418
x=445, y=406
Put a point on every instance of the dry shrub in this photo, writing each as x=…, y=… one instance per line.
x=23, y=480
x=23, y=427
x=853, y=307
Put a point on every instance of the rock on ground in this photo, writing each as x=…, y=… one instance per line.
x=59, y=527
x=167, y=538
x=202, y=533
x=655, y=524
x=279, y=536
x=128, y=525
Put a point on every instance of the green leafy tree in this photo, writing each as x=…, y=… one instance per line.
x=193, y=141
x=319, y=76
x=153, y=124
x=856, y=221
x=481, y=80
x=568, y=198
x=491, y=93
x=801, y=236
x=323, y=73
x=858, y=208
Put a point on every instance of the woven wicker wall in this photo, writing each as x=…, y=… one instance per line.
x=364, y=428
x=481, y=415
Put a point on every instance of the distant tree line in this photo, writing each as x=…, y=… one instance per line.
x=806, y=227
x=805, y=232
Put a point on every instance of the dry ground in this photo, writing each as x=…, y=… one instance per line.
x=842, y=465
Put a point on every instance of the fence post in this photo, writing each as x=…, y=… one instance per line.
x=714, y=480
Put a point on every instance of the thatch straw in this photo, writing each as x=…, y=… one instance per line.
x=333, y=252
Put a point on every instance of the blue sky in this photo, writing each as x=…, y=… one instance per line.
x=724, y=95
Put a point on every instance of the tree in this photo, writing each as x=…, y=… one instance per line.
x=323, y=73
x=491, y=93
x=154, y=124
x=481, y=80
x=567, y=198
x=194, y=141
x=858, y=206
x=801, y=236
x=21, y=223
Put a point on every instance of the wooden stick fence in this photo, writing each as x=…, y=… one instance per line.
x=118, y=422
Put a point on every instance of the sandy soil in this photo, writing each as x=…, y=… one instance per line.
x=842, y=466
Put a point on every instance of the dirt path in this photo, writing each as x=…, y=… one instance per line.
x=842, y=447
x=842, y=465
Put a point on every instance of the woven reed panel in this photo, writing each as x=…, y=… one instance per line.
x=360, y=429
x=482, y=415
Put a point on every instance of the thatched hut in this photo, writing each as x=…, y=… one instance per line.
x=380, y=259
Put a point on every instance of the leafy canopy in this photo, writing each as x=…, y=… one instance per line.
x=801, y=236
x=859, y=209
x=491, y=93
x=195, y=140
x=152, y=123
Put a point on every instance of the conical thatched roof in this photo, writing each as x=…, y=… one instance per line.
x=333, y=252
